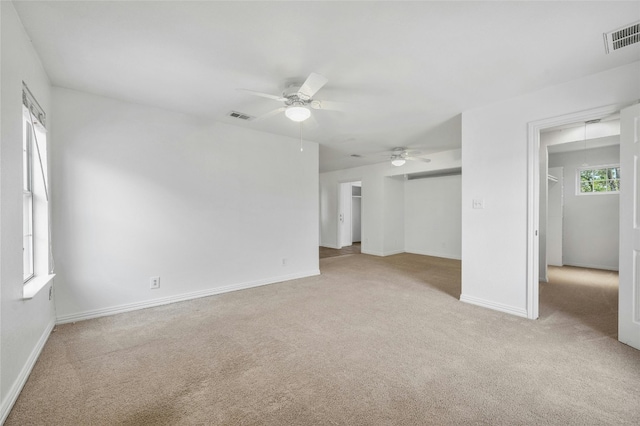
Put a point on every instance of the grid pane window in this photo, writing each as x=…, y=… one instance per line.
x=599, y=180
x=27, y=202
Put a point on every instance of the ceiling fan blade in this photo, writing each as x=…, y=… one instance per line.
x=264, y=95
x=424, y=160
x=312, y=84
x=270, y=114
x=329, y=105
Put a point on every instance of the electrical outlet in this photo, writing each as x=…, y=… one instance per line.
x=284, y=261
x=478, y=204
x=154, y=282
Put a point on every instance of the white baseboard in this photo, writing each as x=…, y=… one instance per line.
x=16, y=388
x=591, y=266
x=371, y=252
x=113, y=310
x=331, y=246
x=381, y=253
x=434, y=254
x=494, y=305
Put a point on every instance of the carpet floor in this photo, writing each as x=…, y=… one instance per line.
x=371, y=341
x=325, y=252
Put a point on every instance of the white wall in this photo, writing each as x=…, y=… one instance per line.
x=393, y=220
x=494, y=146
x=591, y=222
x=356, y=213
x=24, y=324
x=383, y=205
x=432, y=217
x=143, y=192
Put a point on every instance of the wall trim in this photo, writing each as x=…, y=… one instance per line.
x=128, y=307
x=18, y=384
x=521, y=312
x=381, y=253
x=434, y=254
x=331, y=246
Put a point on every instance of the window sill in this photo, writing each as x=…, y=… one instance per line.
x=35, y=284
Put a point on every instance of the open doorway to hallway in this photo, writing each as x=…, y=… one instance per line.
x=350, y=214
x=349, y=221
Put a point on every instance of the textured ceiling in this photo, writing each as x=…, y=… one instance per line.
x=406, y=69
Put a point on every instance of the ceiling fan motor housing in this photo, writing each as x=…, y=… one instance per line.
x=399, y=152
x=292, y=94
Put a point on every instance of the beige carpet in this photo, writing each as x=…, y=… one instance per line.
x=372, y=341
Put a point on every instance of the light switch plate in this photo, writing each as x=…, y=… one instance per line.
x=478, y=204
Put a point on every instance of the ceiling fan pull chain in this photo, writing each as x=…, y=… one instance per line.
x=301, y=137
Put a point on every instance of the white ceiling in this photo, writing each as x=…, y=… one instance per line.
x=407, y=69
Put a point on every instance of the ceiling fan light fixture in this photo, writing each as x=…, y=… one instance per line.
x=398, y=161
x=297, y=113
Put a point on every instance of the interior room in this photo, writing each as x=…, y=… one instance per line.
x=582, y=225
x=319, y=212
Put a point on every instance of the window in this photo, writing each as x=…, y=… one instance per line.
x=27, y=201
x=599, y=179
x=37, y=260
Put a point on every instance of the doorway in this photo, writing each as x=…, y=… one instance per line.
x=579, y=224
x=629, y=243
x=579, y=195
x=350, y=214
x=537, y=167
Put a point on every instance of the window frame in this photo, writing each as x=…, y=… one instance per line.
x=579, y=171
x=28, y=228
x=36, y=177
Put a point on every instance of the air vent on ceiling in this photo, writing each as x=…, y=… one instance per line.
x=622, y=37
x=240, y=116
x=356, y=155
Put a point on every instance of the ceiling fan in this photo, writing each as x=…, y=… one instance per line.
x=400, y=155
x=298, y=98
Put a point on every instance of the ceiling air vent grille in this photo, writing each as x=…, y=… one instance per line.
x=622, y=37
x=240, y=116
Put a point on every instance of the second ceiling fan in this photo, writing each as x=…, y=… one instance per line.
x=400, y=155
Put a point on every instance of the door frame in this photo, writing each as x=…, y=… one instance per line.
x=533, y=192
